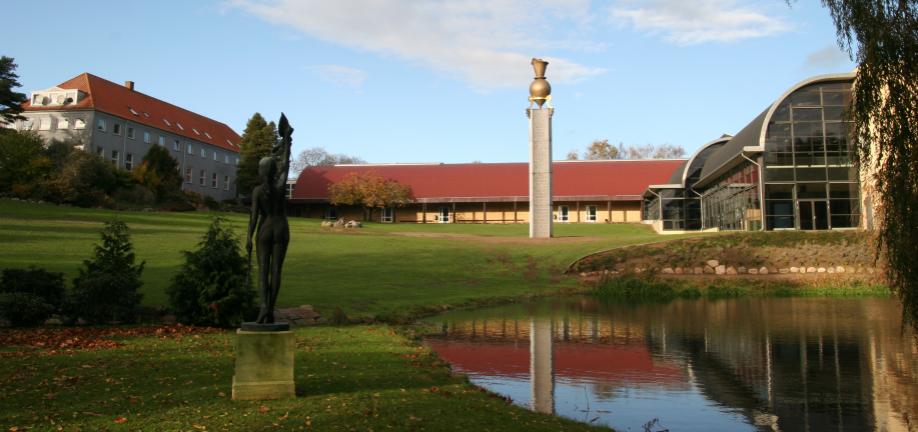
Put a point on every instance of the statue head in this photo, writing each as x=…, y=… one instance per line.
x=267, y=168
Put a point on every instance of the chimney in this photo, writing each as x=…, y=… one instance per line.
x=129, y=85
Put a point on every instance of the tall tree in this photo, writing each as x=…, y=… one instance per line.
x=572, y=155
x=10, y=100
x=318, y=156
x=22, y=162
x=159, y=173
x=882, y=35
x=370, y=190
x=601, y=150
x=257, y=140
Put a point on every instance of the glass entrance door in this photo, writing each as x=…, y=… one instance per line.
x=813, y=214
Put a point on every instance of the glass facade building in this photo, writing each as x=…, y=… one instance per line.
x=795, y=161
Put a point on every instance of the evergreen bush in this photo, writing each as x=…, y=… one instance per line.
x=107, y=286
x=48, y=286
x=213, y=286
x=24, y=309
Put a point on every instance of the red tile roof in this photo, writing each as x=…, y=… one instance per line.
x=118, y=100
x=588, y=180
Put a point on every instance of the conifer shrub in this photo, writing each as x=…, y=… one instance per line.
x=214, y=286
x=107, y=287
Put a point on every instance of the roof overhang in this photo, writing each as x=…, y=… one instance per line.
x=748, y=152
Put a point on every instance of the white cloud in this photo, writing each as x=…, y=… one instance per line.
x=828, y=57
x=337, y=74
x=686, y=22
x=487, y=43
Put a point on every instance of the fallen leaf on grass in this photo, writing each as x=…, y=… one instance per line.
x=121, y=420
x=199, y=427
x=263, y=409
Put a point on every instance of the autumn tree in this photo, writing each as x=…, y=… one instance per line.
x=370, y=191
x=318, y=156
x=601, y=150
x=257, y=141
x=881, y=36
x=10, y=100
x=159, y=173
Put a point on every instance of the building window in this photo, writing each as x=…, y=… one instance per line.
x=188, y=174
x=161, y=141
x=564, y=213
x=591, y=213
x=388, y=215
x=116, y=128
x=203, y=153
x=176, y=145
x=237, y=161
x=25, y=125
x=115, y=157
x=443, y=215
x=79, y=124
x=226, y=182
x=100, y=152
x=130, y=132
x=63, y=123
x=289, y=190
x=146, y=137
x=203, y=179
x=215, y=156
x=129, y=161
x=331, y=213
x=189, y=149
x=213, y=180
x=100, y=125
x=44, y=123
x=226, y=159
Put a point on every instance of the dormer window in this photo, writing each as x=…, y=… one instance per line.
x=230, y=143
x=208, y=135
x=146, y=114
x=179, y=125
x=166, y=121
x=195, y=131
x=133, y=111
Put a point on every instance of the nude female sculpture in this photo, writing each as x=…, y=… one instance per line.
x=269, y=218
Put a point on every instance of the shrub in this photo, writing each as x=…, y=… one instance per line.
x=24, y=309
x=214, y=286
x=159, y=172
x=107, y=286
x=22, y=162
x=48, y=286
x=211, y=203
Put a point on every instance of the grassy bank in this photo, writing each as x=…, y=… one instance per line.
x=634, y=289
x=382, y=269
x=350, y=378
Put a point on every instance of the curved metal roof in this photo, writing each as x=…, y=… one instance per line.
x=753, y=135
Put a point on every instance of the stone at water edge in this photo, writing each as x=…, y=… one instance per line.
x=839, y=269
x=678, y=270
x=712, y=263
x=830, y=270
x=821, y=270
x=721, y=269
x=698, y=270
x=811, y=269
x=763, y=270
x=731, y=270
x=667, y=270
x=784, y=271
x=708, y=270
x=753, y=271
x=742, y=270
x=794, y=269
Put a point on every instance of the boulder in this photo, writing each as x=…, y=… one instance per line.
x=763, y=270
x=340, y=223
x=678, y=270
x=849, y=270
x=667, y=270
x=821, y=270
x=708, y=270
x=731, y=270
x=712, y=263
x=742, y=270
x=811, y=269
x=830, y=269
x=327, y=224
x=753, y=271
x=839, y=269
x=698, y=270
x=353, y=224
x=794, y=269
x=784, y=271
x=721, y=269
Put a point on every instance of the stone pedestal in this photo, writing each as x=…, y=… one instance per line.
x=264, y=365
x=540, y=205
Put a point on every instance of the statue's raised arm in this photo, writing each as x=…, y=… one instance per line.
x=282, y=152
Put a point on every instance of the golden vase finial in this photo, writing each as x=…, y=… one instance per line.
x=540, y=89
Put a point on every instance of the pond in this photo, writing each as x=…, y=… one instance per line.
x=747, y=364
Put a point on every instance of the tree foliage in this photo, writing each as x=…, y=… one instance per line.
x=10, y=100
x=22, y=162
x=159, y=173
x=370, y=190
x=318, y=156
x=107, y=287
x=257, y=141
x=214, y=287
x=30, y=296
x=883, y=36
x=602, y=150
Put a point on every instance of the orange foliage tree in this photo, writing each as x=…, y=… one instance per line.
x=370, y=191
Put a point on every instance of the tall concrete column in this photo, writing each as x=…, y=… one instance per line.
x=540, y=205
x=541, y=365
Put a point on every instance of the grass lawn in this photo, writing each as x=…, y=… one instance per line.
x=347, y=378
x=377, y=270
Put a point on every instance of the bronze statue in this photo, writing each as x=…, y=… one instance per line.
x=269, y=217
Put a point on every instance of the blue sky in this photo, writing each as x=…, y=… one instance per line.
x=440, y=81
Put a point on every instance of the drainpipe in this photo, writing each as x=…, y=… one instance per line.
x=761, y=190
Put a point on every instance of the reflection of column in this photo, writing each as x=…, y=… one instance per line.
x=541, y=365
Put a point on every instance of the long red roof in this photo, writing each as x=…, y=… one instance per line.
x=118, y=100
x=600, y=180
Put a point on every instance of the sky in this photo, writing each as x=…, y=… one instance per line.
x=440, y=81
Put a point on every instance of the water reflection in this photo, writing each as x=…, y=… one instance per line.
x=807, y=364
